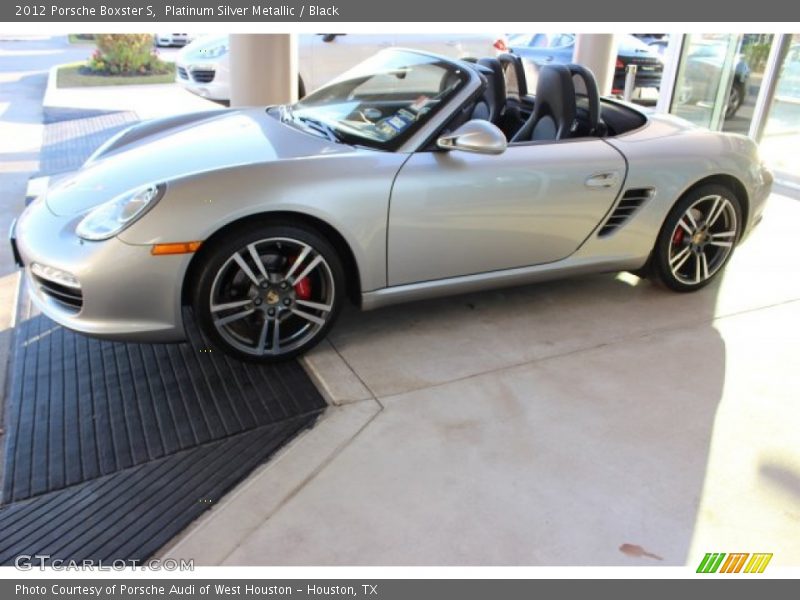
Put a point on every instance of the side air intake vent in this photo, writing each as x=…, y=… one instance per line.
x=631, y=201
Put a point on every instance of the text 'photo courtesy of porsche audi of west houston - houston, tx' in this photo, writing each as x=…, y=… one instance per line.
x=410, y=176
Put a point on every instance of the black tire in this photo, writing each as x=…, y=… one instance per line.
x=735, y=99
x=219, y=275
x=683, y=273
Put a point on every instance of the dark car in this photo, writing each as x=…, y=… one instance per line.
x=550, y=48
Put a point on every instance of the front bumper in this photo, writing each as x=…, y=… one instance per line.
x=127, y=294
x=644, y=79
x=204, y=79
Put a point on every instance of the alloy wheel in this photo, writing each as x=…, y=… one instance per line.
x=702, y=239
x=272, y=296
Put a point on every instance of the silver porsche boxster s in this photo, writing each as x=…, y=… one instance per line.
x=410, y=176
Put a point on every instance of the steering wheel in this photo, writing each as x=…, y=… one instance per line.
x=370, y=115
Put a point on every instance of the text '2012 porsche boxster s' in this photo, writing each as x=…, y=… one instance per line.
x=410, y=176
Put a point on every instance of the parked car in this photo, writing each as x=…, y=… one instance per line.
x=172, y=39
x=203, y=67
x=558, y=48
x=264, y=220
x=704, y=65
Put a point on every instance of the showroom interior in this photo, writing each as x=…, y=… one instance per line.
x=592, y=420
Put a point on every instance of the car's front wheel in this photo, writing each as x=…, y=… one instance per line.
x=268, y=292
x=698, y=238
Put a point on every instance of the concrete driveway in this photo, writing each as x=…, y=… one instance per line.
x=595, y=421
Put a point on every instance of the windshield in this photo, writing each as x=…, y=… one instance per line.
x=381, y=102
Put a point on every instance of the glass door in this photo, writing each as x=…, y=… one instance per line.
x=705, y=78
x=748, y=74
x=781, y=135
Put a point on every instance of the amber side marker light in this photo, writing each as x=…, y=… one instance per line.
x=175, y=248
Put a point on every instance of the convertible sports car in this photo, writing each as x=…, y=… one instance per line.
x=410, y=176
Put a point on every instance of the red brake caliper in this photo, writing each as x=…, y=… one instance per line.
x=677, y=237
x=302, y=288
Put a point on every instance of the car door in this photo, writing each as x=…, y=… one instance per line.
x=455, y=213
x=335, y=53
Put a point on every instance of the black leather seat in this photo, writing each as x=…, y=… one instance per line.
x=515, y=69
x=554, y=108
x=588, y=116
x=487, y=107
x=496, y=82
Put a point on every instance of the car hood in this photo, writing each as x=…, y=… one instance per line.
x=167, y=149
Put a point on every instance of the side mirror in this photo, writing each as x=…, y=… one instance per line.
x=478, y=136
x=329, y=37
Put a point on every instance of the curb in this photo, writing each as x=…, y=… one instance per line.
x=37, y=186
x=49, y=92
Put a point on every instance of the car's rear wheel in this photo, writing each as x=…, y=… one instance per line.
x=698, y=238
x=268, y=293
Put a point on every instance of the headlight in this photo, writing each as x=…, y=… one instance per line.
x=108, y=219
x=214, y=51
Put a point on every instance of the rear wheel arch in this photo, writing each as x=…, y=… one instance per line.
x=709, y=219
x=340, y=245
x=728, y=181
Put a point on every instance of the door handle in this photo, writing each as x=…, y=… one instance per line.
x=603, y=180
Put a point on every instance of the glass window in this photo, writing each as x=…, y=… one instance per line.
x=705, y=74
x=751, y=59
x=781, y=136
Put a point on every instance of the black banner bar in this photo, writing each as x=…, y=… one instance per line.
x=332, y=11
x=386, y=589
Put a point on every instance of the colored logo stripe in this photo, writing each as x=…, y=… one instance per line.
x=758, y=563
x=711, y=562
x=733, y=564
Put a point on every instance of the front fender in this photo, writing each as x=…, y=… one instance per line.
x=349, y=192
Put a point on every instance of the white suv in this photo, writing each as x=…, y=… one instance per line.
x=202, y=66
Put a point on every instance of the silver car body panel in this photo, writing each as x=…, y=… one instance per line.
x=127, y=294
x=669, y=156
x=452, y=222
x=456, y=213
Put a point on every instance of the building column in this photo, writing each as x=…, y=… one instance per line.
x=598, y=52
x=263, y=69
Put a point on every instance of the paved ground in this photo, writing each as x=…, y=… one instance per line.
x=597, y=421
x=24, y=64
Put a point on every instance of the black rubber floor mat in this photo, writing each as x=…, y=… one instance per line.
x=130, y=514
x=81, y=408
x=112, y=449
